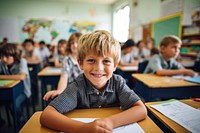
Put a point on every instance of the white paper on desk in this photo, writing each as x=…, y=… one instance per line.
x=180, y=77
x=130, y=68
x=55, y=70
x=183, y=114
x=134, y=127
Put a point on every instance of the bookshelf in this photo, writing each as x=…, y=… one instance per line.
x=191, y=41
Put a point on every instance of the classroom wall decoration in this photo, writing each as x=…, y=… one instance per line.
x=51, y=30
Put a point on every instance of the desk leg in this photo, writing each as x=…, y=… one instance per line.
x=43, y=91
x=17, y=90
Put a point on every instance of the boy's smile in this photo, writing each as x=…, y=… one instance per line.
x=98, y=69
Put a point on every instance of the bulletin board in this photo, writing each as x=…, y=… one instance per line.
x=169, y=25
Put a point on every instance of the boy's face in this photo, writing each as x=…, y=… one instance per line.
x=7, y=60
x=28, y=47
x=172, y=50
x=98, y=69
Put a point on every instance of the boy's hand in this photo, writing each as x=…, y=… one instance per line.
x=51, y=94
x=97, y=126
x=189, y=72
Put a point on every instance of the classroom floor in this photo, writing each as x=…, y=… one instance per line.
x=6, y=128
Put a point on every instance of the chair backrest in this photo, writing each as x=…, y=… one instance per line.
x=142, y=66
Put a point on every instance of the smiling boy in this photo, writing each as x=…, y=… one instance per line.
x=98, y=56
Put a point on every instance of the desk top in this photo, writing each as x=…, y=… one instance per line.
x=155, y=81
x=168, y=122
x=50, y=71
x=10, y=84
x=33, y=125
x=128, y=68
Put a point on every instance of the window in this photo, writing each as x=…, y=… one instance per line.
x=121, y=24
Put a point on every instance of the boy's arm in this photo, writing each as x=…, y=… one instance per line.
x=136, y=113
x=61, y=87
x=52, y=119
x=183, y=71
x=21, y=76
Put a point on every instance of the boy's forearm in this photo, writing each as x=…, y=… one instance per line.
x=136, y=113
x=52, y=119
x=62, y=82
x=13, y=77
x=168, y=72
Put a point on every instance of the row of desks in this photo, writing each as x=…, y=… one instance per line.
x=34, y=126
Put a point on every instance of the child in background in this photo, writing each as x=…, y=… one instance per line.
x=70, y=68
x=126, y=54
x=13, y=67
x=31, y=53
x=61, y=53
x=143, y=53
x=154, y=51
x=44, y=51
x=98, y=57
x=165, y=64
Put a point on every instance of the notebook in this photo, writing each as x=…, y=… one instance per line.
x=195, y=79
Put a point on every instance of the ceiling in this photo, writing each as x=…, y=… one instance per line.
x=91, y=1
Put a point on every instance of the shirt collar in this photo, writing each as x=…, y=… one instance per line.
x=73, y=60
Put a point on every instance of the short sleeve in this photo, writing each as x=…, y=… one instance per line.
x=67, y=100
x=23, y=66
x=127, y=97
x=154, y=64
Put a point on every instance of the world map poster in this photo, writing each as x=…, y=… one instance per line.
x=51, y=30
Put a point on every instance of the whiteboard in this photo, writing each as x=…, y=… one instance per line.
x=9, y=29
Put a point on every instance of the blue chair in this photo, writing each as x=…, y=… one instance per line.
x=142, y=66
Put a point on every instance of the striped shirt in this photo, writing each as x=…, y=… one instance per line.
x=71, y=68
x=81, y=94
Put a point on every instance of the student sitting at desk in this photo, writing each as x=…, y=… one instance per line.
x=12, y=66
x=44, y=52
x=98, y=57
x=31, y=53
x=61, y=53
x=126, y=54
x=165, y=64
x=70, y=68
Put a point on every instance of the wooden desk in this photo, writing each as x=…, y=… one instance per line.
x=166, y=124
x=10, y=92
x=152, y=86
x=51, y=76
x=33, y=125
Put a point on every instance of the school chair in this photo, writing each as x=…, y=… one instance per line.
x=142, y=66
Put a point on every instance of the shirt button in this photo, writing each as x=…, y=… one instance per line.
x=97, y=93
x=100, y=106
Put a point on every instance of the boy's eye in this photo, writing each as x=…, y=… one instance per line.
x=91, y=60
x=106, y=61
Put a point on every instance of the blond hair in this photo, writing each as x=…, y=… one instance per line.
x=170, y=39
x=100, y=42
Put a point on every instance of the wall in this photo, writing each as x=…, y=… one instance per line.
x=13, y=9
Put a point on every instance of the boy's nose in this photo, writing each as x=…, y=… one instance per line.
x=99, y=66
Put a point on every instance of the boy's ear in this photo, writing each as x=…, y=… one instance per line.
x=162, y=48
x=80, y=64
x=115, y=66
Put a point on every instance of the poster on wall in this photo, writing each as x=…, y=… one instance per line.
x=51, y=30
